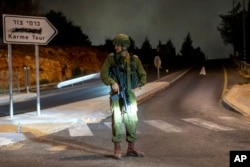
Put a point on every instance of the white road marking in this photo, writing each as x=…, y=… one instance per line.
x=206, y=124
x=11, y=138
x=5, y=141
x=164, y=126
x=80, y=130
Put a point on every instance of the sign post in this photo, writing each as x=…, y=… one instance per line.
x=10, y=80
x=34, y=30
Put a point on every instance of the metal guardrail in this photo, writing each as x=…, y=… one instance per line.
x=243, y=65
x=246, y=67
x=77, y=80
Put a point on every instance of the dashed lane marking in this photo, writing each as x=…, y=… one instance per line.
x=164, y=126
x=80, y=130
x=207, y=124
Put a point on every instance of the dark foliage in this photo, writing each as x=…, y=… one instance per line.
x=234, y=30
x=68, y=33
x=17, y=7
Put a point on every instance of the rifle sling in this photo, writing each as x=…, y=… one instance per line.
x=128, y=71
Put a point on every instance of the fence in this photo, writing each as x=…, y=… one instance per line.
x=4, y=83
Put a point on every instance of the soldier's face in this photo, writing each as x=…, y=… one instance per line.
x=121, y=50
x=118, y=48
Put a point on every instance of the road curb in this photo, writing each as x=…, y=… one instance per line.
x=237, y=98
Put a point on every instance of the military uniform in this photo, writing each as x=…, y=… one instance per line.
x=138, y=77
x=131, y=74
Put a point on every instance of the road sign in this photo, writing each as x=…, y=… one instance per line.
x=19, y=29
x=157, y=61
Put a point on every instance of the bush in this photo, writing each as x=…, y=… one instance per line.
x=76, y=72
x=44, y=81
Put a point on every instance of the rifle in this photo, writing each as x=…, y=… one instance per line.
x=122, y=94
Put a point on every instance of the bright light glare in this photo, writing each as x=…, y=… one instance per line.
x=77, y=80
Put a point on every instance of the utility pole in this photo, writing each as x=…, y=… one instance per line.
x=244, y=32
x=234, y=51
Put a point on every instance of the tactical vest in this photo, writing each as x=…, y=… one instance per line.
x=120, y=70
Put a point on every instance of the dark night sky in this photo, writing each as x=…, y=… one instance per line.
x=155, y=19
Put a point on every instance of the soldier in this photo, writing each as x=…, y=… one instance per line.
x=123, y=73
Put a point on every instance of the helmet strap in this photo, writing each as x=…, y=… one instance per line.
x=124, y=49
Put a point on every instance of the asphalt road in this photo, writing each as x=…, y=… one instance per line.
x=185, y=125
x=55, y=97
x=195, y=129
x=52, y=97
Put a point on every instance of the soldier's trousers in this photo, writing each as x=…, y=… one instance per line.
x=122, y=118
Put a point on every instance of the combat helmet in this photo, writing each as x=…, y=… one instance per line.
x=122, y=40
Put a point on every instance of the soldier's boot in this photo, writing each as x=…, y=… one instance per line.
x=117, y=151
x=133, y=152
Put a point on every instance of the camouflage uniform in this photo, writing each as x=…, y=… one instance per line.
x=137, y=77
x=118, y=114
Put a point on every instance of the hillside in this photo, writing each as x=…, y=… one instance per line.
x=56, y=63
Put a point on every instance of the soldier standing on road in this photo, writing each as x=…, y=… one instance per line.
x=130, y=75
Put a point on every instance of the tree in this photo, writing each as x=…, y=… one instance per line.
x=231, y=29
x=199, y=57
x=68, y=33
x=17, y=7
x=109, y=45
x=187, y=48
x=167, y=54
x=170, y=49
x=146, y=54
x=191, y=55
x=132, y=49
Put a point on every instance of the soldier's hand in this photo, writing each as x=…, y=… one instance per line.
x=139, y=85
x=115, y=87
